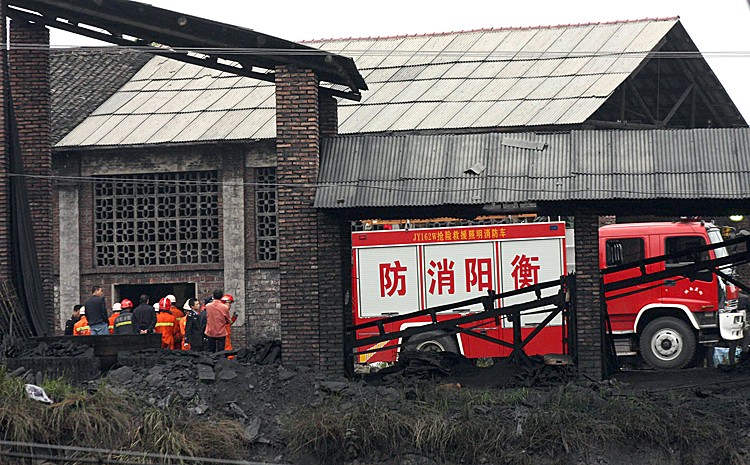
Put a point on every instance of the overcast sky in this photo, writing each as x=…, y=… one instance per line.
x=720, y=28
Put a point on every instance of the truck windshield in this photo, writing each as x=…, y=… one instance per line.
x=715, y=236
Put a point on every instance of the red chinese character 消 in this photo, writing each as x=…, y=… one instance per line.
x=442, y=276
x=478, y=273
x=524, y=271
x=392, y=279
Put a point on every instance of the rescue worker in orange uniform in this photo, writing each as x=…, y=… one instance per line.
x=229, y=300
x=182, y=323
x=166, y=324
x=116, y=308
x=179, y=316
x=82, y=327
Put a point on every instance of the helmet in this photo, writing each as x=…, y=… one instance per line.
x=187, y=305
x=82, y=311
x=156, y=307
x=171, y=298
x=165, y=304
x=227, y=298
x=116, y=307
x=126, y=303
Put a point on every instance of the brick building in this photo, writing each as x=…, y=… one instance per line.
x=186, y=178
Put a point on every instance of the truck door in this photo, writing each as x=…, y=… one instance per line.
x=699, y=294
x=617, y=251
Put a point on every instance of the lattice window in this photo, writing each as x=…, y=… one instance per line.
x=266, y=224
x=157, y=219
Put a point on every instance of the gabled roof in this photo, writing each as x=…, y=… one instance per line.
x=508, y=79
x=83, y=79
x=376, y=171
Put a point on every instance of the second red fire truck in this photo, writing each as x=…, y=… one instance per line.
x=401, y=271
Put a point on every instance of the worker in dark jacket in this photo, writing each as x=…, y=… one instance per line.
x=144, y=318
x=124, y=322
x=73, y=320
x=96, y=312
x=195, y=325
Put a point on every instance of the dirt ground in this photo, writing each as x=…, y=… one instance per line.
x=261, y=397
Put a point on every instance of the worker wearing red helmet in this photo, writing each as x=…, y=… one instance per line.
x=178, y=315
x=229, y=300
x=123, y=324
x=166, y=324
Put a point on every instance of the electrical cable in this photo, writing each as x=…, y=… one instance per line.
x=355, y=184
x=109, y=452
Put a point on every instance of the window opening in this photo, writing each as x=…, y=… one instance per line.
x=266, y=224
x=157, y=219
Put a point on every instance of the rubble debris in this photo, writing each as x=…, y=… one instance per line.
x=206, y=372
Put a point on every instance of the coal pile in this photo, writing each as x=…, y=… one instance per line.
x=56, y=349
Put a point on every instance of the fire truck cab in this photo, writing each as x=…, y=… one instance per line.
x=666, y=321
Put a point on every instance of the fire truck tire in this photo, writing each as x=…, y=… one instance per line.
x=668, y=343
x=432, y=341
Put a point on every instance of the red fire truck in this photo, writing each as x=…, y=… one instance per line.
x=401, y=271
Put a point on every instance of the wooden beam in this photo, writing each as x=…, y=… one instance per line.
x=640, y=101
x=677, y=105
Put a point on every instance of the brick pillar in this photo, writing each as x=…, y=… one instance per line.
x=329, y=116
x=588, y=296
x=29, y=71
x=297, y=158
x=4, y=168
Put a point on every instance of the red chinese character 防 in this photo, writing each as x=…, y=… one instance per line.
x=524, y=272
x=392, y=279
x=441, y=276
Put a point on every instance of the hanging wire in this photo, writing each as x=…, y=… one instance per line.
x=105, y=454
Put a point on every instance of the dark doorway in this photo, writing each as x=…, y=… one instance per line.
x=182, y=291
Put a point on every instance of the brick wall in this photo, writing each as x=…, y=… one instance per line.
x=297, y=152
x=588, y=296
x=206, y=280
x=310, y=268
x=29, y=71
x=263, y=303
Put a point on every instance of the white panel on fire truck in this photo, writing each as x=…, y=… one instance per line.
x=456, y=272
x=388, y=280
x=528, y=262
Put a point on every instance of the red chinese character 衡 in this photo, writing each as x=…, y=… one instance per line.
x=392, y=279
x=441, y=276
x=478, y=273
x=524, y=271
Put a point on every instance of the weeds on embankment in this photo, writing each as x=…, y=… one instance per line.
x=558, y=426
x=108, y=420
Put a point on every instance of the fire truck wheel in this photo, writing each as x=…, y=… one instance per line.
x=668, y=343
x=432, y=341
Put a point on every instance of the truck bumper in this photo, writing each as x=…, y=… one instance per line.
x=731, y=325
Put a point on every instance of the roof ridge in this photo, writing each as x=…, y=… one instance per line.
x=495, y=29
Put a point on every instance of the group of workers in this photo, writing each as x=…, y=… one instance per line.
x=198, y=327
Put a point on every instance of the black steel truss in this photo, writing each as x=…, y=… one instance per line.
x=190, y=39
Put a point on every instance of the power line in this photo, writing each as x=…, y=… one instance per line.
x=362, y=184
x=484, y=55
x=160, y=458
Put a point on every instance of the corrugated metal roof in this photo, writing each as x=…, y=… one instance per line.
x=431, y=170
x=516, y=72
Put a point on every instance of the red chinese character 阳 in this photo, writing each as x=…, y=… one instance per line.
x=441, y=276
x=478, y=273
x=524, y=271
x=392, y=279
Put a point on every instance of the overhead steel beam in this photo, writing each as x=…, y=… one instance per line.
x=163, y=32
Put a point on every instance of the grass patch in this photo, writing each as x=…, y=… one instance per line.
x=498, y=426
x=112, y=420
